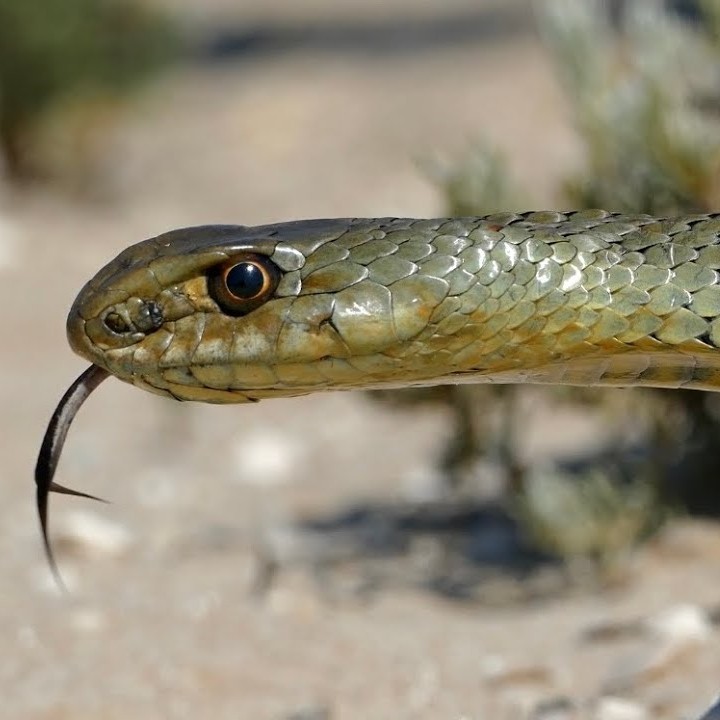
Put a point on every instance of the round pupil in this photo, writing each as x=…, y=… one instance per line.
x=245, y=280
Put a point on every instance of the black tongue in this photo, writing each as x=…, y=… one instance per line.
x=51, y=448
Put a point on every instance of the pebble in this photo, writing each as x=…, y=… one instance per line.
x=266, y=459
x=88, y=620
x=670, y=638
x=89, y=534
x=681, y=625
x=500, y=674
x=556, y=709
x=614, y=708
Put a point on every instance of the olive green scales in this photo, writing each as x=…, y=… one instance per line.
x=580, y=298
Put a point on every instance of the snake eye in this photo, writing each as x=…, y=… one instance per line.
x=243, y=283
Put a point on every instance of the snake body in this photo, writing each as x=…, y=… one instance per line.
x=584, y=298
x=225, y=313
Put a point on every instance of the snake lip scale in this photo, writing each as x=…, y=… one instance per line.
x=232, y=314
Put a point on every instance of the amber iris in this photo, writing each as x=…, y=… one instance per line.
x=243, y=283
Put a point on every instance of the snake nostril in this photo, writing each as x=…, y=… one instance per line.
x=116, y=323
x=149, y=317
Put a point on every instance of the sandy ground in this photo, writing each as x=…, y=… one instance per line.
x=161, y=621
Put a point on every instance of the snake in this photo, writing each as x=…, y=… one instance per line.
x=238, y=314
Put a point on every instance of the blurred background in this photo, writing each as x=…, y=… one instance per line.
x=505, y=553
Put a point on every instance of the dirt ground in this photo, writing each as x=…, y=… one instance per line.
x=162, y=620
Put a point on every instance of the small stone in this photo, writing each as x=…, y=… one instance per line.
x=88, y=620
x=85, y=533
x=555, y=709
x=681, y=625
x=677, y=637
x=266, y=459
x=612, y=630
x=500, y=674
x=614, y=708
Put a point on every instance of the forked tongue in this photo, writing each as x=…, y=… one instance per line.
x=51, y=448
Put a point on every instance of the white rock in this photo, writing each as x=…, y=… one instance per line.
x=681, y=624
x=88, y=620
x=675, y=635
x=424, y=484
x=614, y=708
x=266, y=458
x=86, y=533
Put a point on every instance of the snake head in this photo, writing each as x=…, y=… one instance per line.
x=234, y=313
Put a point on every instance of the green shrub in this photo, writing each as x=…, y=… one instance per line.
x=51, y=50
x=645, y=100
